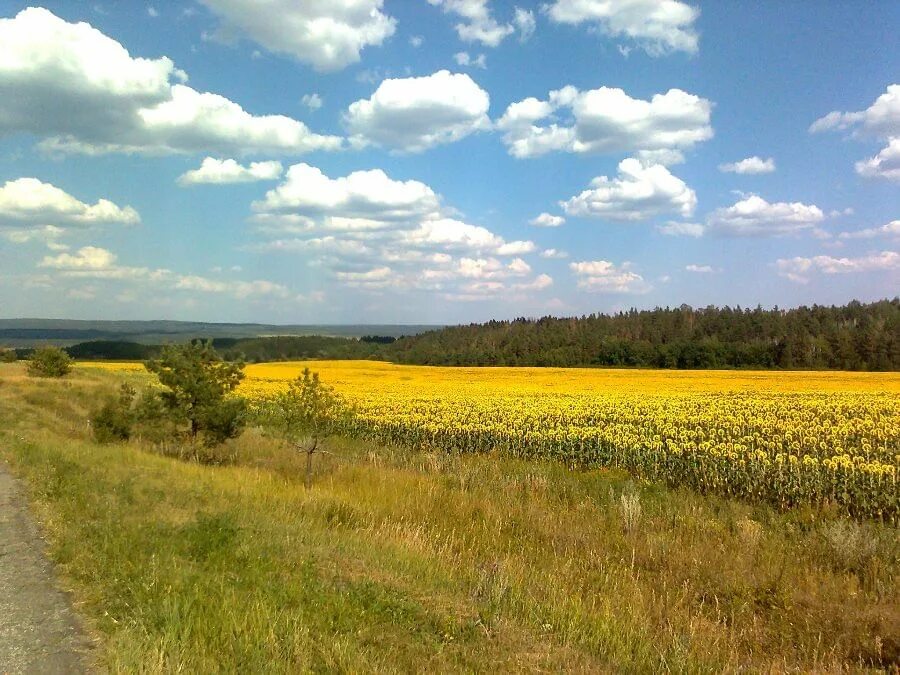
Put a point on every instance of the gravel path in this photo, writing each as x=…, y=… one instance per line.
x=39, y=632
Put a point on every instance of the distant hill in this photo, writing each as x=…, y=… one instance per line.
x=65, y=332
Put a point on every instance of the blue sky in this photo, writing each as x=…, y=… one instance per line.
x=443, y=161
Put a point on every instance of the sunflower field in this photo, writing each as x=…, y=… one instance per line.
x=787, y=438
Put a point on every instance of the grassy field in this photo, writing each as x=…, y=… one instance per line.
x=404, y=560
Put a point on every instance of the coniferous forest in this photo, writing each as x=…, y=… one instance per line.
x=856, y=336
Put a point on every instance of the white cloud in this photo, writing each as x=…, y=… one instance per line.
x=463, y=59
x=416, y=113
x=91, y=262
x=674, y=228
x=416, y=41
x=665, y=156
x=83, y=92
x=221, y=171
x=881, y=120
x=484, y=277
x=886, y=164
x=891, y=229
x=656, y=26
x=525, y=23
x=638, y=193
x=448, y=234
x=328, y=35
x=547, y=220
x=754, y=216
x=46, y=234
x=87, y=258
x=751, y=165
x=478, y=25
x=701, y=269
x=799, y=269
x=603, y=276
x=307, y=191
x=376, y=277
x=607, y=120
x=239, y=289
x=837, y=213
x=539, y=283
x=367, y=221
x=28, y=202
x=312, y=101
x=152, y=11
x=554, y=254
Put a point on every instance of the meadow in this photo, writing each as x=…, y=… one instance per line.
x=407, y=556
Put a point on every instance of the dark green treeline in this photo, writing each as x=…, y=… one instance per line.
x=853, y=337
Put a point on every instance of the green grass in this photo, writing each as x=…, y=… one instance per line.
x=400, y=560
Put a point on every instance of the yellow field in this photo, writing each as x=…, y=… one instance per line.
x=784, y=437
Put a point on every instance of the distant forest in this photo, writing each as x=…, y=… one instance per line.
x=852, y=337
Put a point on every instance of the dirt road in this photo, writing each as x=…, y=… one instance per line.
x=39, y=632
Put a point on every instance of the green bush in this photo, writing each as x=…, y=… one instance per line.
x=114, y=421
x=198, y=388
x=304, y=414
x=49, y=362
x=7, y=355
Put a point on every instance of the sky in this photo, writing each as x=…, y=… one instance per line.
x=444, y=161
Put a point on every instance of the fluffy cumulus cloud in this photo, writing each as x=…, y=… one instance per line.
x=91, y=262
x=28, y=203
x=369, y=195
x=754, y=216
x=886, y=164
x=416, y=113
x=329, y=35
x=547, y=220
x=607, y=120
x=81, y=91
x=638, y=193
x=221, y=171
x=602, y=276
x=751, y=165
x=656, y=26
x=380, y=234
x=477, y=24
x=880, y=121
x=800, y=269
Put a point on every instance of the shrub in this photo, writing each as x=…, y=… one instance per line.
x=49, y=362
x=7, y=355
x=114, y=421
x=198, y=387
x=307, y=410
